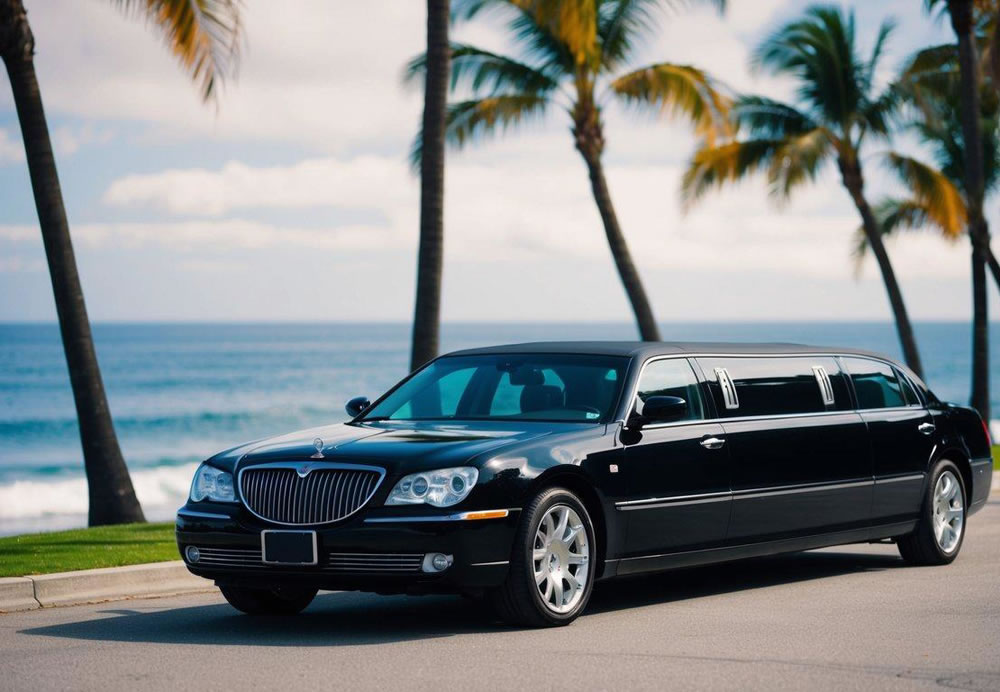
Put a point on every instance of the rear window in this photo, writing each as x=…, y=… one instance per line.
x=876, y=384
x=776, y=386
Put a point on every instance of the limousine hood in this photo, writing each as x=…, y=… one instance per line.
x=399, y=446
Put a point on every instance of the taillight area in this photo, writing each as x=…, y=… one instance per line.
x=986, y=431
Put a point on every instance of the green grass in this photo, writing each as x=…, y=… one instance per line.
x=103, y=546
x=996, y=457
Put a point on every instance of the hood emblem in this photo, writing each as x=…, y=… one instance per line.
x=304, y=470
x=318, y=444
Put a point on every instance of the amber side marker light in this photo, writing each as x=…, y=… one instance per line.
x=490, y=514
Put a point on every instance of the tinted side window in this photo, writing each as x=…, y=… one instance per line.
x=875, y=383
x=777, y=386
x=673, y=377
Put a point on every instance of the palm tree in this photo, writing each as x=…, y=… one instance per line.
x=204, y=35
x=839, y=108
x=571, y=54
x=937, y=200
x=427, y=311
x=963, y=22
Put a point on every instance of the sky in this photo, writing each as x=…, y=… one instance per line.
x=292, y=199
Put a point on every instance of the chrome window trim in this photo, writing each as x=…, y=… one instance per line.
x=314, y=465
x=623, y=420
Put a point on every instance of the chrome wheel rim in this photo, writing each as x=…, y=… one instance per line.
x=561, y=559
x=949, y=512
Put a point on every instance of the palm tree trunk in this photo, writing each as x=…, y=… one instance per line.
x=430, y=256
x=112, y=498
x=962, y=22
x=648, y=330
x=854, y=182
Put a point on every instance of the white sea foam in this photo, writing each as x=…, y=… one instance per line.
x=62, y=502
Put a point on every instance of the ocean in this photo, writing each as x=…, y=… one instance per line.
x=180, y=392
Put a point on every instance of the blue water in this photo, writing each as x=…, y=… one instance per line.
x=179, y=392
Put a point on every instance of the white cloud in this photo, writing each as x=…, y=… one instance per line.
x=68, y=140
x=11, y=149
x=363, y=182
x=508, y=211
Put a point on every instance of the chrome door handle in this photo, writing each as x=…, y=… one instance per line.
x=712, y=443
x=926, y=428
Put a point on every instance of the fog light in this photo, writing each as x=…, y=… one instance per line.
x=192, y=554
x=437, y=562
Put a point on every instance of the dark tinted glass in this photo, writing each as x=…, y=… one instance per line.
x=875, y=383
x=508, y=386
x=673, y=377
x=777, y=386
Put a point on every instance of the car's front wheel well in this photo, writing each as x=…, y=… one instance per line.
x=582, y=488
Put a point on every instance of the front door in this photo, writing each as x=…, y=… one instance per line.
x=677, y=473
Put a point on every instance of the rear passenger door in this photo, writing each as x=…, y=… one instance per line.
x=677, y=473
x=799, y=454
x=902, y=437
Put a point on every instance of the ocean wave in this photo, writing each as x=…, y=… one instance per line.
x=158, y=489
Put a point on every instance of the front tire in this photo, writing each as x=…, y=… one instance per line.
x=551, y=568
x=280, y=601
x=941, y=529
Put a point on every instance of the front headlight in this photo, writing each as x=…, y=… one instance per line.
x=440, y=488
x=213, y=484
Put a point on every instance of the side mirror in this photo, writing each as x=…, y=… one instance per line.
x=660, y=409
x=356, y=406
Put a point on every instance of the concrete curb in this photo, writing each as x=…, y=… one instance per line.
x=17, y=593
x=98, y=585
x=995, y=488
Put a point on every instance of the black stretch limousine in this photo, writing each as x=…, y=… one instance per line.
x=525, y=473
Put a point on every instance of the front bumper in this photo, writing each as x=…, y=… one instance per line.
x=365, y=553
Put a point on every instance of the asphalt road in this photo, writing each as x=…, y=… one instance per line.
x=845, y=618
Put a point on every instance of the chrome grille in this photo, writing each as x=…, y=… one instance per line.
x=325, y=494
x=375, y=562
x=230, y=557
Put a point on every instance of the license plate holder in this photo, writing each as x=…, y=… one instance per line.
x=280, y=547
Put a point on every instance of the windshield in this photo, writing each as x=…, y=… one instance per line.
x=550, y=387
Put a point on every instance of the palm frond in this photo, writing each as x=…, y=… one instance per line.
x=819, y=50
x=622, y=24
x=713, y=166
x=206, y=36
x=763, y=117
x=486, y=71
x=944, y=204
x=680, y=90
x=884, y=31
x=894, y=214
x=798, y=160
x=467, y=120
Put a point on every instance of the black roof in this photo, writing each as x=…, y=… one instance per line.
x=645, y=349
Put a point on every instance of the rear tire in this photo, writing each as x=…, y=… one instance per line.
x=552, y=563
x=941, y=528
x=279, y=601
